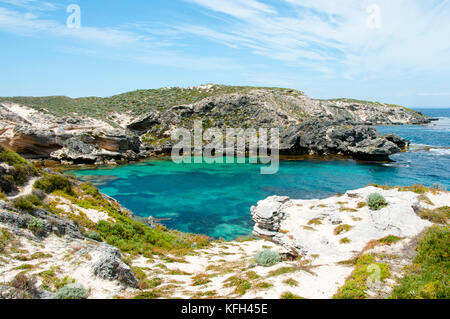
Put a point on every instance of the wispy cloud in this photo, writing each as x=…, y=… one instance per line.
x=328, y=39
x=130, y=42
x=333, y=37
x=33, y=5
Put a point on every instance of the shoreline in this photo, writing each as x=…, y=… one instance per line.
x=288, y=158
x=209, y=272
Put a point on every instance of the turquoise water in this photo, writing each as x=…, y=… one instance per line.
x=216, y=199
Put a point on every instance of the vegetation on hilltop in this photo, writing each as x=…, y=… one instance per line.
x=348, y=100
x=141, y=101
x=137, y=102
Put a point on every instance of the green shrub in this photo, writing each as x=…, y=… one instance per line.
x=90, y=189
x=94, y=236
x=241, y=285
x=25, y=286
x=26, y=203
x=51, y=183
x=133, y=237
x=376, y=201
x=71, y=291
x=344, y=228
x=290, y=295
x=5, y=239
x=22, y=169
x=36, y=226
x=428, y=277
x=439, y=215
x=267, y=258
x=356, y=285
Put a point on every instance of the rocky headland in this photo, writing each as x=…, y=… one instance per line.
x=137, y=125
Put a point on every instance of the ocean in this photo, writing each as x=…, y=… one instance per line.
x=215, y=199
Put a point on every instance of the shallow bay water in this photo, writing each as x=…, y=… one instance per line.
x=215, y=199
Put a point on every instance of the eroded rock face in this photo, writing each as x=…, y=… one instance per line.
x=317, y=227
x=51, y=223
x=326, y=137
x=77, y=139
x=307, y=126
x=109, y=266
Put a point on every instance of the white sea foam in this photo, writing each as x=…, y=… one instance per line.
x=440, y=151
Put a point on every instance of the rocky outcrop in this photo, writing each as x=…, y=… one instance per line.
x=335, y=228
x=79, y=139
x=308, y=126
x=268, y=216
x=109, y=266
x=51, y=223
x=400, y=142
x=106, y=260
x=326, y=137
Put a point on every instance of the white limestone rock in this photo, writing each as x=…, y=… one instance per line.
x=288, y=222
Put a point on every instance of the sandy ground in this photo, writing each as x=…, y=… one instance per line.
x=206, y=273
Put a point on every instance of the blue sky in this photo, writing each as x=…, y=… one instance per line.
x=391, y=51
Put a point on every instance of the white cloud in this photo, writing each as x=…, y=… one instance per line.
x=33, y=4
x=333, y=38
x=121, y=43
x=241, y=9
x=329, y=38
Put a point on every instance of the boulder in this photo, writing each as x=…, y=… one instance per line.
x=400, y=142
x=109, y=266
x=287, y=223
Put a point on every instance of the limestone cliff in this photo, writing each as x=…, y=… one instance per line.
x=138, y=124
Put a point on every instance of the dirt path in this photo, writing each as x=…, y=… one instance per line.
x=26, y=189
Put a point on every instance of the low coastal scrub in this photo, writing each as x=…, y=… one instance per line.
x=36, y=226
x=291, y=282
x=25, y=287
x=389, y=240
x=241, y=284
x=417, y=188
x=94, y=236
x=290, y=295
x=267, y=258
x=51, y=183
x=20, y=172
x=356, y=285
x=428, y=276
x=136, y=238
x=71, y=291
x=341, y=229
x=27, y=202
x=376, y=201
x=439, y=215
x=283, y=271
x=5, y=238
x=200, y=280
